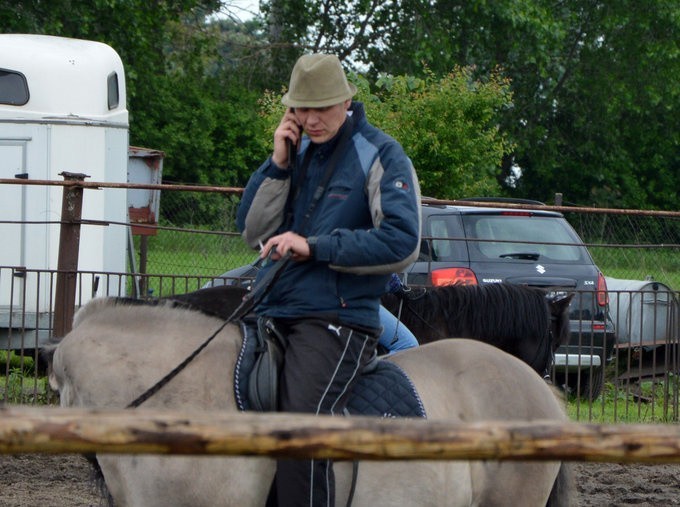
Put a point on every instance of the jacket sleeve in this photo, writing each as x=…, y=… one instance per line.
x=262, y=208
x=393, y=243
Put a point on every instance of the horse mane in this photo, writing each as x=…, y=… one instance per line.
x=220, y=302
x=516, y=318
x=495, y=312
x=82, y=314
x=94, y=306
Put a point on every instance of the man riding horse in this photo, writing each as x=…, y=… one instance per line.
x=340, y=199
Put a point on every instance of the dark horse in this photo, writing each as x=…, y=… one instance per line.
x=523, y=321
x=527, y=322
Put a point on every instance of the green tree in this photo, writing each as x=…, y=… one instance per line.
x=183, y=97
x=595, y=84
x=613, y=138
x=448, y=126
x=200, y=113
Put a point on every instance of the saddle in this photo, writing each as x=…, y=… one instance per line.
x=256, y=377
x=383, y=388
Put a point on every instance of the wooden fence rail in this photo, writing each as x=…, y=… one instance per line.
x=145, y=431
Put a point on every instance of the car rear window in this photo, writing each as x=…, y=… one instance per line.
x=444, y=239
x=523, y=237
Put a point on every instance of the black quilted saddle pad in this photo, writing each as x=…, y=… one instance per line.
x=385, y=391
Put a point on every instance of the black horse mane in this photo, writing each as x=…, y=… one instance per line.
x=497, y=311
x=519, y=319
x=219, y=301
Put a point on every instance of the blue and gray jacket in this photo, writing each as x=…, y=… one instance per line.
x=366, y=224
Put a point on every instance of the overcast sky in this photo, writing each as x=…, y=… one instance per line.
x=243, y=9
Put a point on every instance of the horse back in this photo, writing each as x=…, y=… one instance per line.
x=472, y=381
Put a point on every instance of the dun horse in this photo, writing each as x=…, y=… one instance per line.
x=117, y=351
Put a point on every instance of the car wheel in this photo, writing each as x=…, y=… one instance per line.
x=592, y=382
x=586, y=384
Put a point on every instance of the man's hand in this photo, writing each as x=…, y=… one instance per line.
x=288, y=129
x=288, y=241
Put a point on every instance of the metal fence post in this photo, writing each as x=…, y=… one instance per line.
x=67, y=263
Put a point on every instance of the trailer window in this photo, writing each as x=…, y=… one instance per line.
x=13, y=88
x=112, y=85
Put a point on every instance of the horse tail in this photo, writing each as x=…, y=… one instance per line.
x=46, y=354
x=562, y=493
x=563, y=490
x=97, y=477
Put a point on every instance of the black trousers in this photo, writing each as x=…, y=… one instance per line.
x=322, y=362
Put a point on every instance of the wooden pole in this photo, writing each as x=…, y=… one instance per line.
x=67, y=263
x=145, y=431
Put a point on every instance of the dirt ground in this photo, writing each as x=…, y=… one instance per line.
x=64, y=481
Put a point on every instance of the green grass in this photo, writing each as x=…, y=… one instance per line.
x=645, y=402
x=661, y=264
x=179, y=262
x=19, y=388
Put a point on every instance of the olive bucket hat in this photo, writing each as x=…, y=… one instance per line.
x=318, y=80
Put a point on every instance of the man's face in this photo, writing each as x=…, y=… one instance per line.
x=322, y=123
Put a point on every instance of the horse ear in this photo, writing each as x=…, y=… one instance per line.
x=559, y=301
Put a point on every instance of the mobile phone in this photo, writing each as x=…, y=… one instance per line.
x=292, y=153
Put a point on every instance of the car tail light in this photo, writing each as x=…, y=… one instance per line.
x=602, y=296
x=453, y=276
x=517, y=213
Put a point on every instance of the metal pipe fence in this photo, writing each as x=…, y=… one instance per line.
x=195, y=241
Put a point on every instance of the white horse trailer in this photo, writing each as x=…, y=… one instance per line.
x=62, y=110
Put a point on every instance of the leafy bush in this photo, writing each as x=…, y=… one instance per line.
x=19, y=382
x=25, y=364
